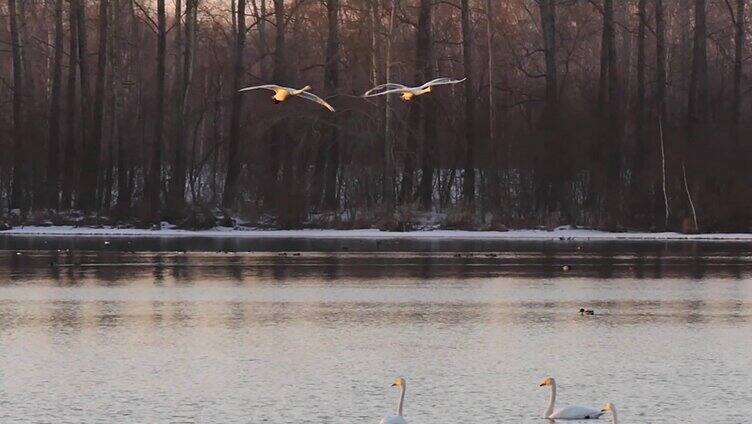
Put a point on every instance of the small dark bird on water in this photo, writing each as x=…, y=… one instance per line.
x=584, y=312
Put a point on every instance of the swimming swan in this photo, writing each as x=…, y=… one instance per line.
x=569, y=412
x=283, y=93
x=609, y=407
x=397, y=419
x=584, y=311
x=409, y=93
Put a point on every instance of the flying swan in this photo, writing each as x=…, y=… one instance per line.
x=409, y=93
x=397, y=419
x=609, y=407
x=283, y=93
x=569, y=412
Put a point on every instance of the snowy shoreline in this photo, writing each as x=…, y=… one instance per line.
x=564, y=234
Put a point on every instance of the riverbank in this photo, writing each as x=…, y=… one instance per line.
x=559, y=234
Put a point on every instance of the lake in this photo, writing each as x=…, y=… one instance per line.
x=184, y=330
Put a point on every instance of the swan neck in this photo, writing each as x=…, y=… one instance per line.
x=613, y=416
x=551, y=401
x=401, y=401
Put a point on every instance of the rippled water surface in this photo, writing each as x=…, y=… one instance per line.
x=286, y=333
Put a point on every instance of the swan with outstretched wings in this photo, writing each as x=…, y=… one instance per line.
x=409, y=93
x=282, y=94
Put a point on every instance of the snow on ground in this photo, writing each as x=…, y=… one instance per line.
x=564, y=233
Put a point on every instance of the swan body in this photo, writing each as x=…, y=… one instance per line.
x=609, y=407
x=409, y=93
x=282, y=94
x=569, y=412
x=397, y=419
x=575, y=413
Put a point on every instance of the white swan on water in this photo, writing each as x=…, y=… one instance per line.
x=397, y=419
x=609, y=407
x=569, y=412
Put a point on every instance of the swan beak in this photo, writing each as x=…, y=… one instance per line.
x=394, y=384
x=603, y=411
x=542, y=384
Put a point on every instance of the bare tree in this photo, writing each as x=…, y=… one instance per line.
x=389, y=160
x=92, y=150
x=424, y=60
x=17, y=199
x=331, y=85
x=660, y=59
x=176, y=193
x=153, y=181
x=86, y=108
x=69, y=159
x=279, y=75
x=739, y=30
x=53, y=156
x=467, y=56
x=660, y=100
x=233, y=158
x=697, y=110
x=547, y=190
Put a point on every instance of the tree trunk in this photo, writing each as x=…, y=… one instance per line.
x=640, y=103
x=331, y=86
x=697, y=110
x=491, y=101
x=740, y=26
x=86, y=110
x=389, y=165
x=548, y=178
x=17, y=199
x=424, y=62
x=613, y=148
x=660, y=57
x=659, y=191
x=230, y=197
x=153, y=182
x=114, y=138
x=53, y=160
x=176, y=195
x=279, y=75
x=468, y=182
x=639, y=168
x=548, y=17
x=69, y=160
x=263, y=44
x=92, y=152
x=603, y=74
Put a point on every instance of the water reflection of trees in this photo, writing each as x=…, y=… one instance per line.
x=530, y=265
x=555, y=261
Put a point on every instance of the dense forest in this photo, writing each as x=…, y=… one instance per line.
x=613, y=114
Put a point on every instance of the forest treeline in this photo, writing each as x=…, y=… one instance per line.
x=603, y=113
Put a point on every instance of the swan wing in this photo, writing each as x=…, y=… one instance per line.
x=314, y=98
x=393, y=419
x=271, y=87
x=441, y=81
x=576, y=413
x=389, y=87
x=434, y=81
